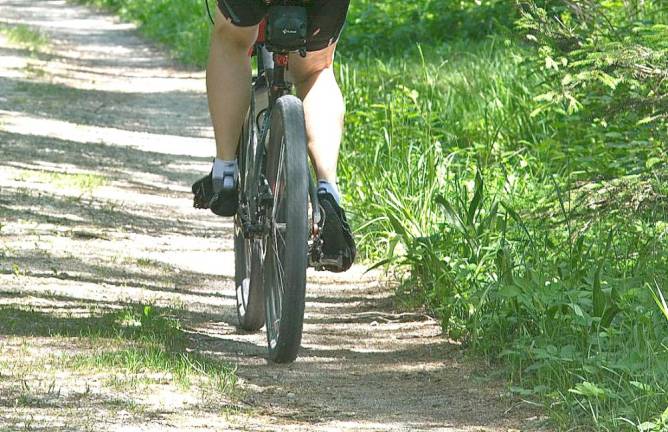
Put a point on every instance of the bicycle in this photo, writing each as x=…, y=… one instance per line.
x=274, y=242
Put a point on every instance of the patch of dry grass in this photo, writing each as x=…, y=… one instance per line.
x=55, y=358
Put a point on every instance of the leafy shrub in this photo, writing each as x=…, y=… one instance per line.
x=605, y=66
x=528, y=203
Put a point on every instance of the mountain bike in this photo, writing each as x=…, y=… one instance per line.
x=276, y=237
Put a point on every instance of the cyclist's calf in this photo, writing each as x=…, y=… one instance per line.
x=324, y=109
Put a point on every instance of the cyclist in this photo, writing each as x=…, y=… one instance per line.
x=227, y=78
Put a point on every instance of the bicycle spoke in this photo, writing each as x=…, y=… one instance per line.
x=278, y=239
x=278, y=191
x=278, y=301
x=280, y=272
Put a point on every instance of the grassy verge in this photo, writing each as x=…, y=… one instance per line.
x=526, y=200
x=537, y=247
x=134, y=346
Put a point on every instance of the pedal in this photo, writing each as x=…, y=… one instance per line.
x=332, y=262
x=326, y=263
x=318, y=260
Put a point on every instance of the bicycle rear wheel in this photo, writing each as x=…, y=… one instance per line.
x=248, y=280
x=248, y=253
x=285, y=261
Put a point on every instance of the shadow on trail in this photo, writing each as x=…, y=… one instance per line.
x=117, y=163
x=159, y=279
x=59, y=311
x=58, y=315
x=94, y=66
x=429, y=373
x=90, y=213
x=176, y=113
x=145, y=339
x=377, y=372
x=353, y=384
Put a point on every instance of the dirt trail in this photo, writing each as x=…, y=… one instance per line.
x=100, y=137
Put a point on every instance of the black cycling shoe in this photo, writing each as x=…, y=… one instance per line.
x=224, y=202
x=338, y=245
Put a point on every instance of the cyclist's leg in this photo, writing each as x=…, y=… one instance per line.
x=316, y=85
x=323, y=108
x=324, y=111
x=227, y=79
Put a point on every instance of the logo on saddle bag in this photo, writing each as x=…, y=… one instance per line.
x=287, y=27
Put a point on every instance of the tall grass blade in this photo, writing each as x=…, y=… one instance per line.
x=660, y=299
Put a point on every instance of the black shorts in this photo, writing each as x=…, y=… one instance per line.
x=325, y=18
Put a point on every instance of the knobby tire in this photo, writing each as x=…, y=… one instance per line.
x=285, y=263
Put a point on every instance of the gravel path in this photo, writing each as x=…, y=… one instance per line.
x=101, y=135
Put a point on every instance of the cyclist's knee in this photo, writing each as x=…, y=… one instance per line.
x=241, y=38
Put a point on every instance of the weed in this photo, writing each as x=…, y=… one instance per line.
x=26, y=37
x=37, y=393
x=144, y=262
x=17, y=271
x=132, y=382
x=34, y=70
x=660, y=300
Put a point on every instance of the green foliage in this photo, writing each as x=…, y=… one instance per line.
x=393, y=25
x=605, y=65
x=660, y=301
x=415, y=123
x=528, y=203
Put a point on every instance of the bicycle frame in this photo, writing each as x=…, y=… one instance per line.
x=257, y=197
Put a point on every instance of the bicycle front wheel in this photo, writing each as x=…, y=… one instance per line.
x=286, y=248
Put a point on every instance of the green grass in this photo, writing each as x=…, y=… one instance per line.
x=418, y=121
x=525, y=234
x=131, y=343
x=25, y=37
x=82, y=182
x=186, y=370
